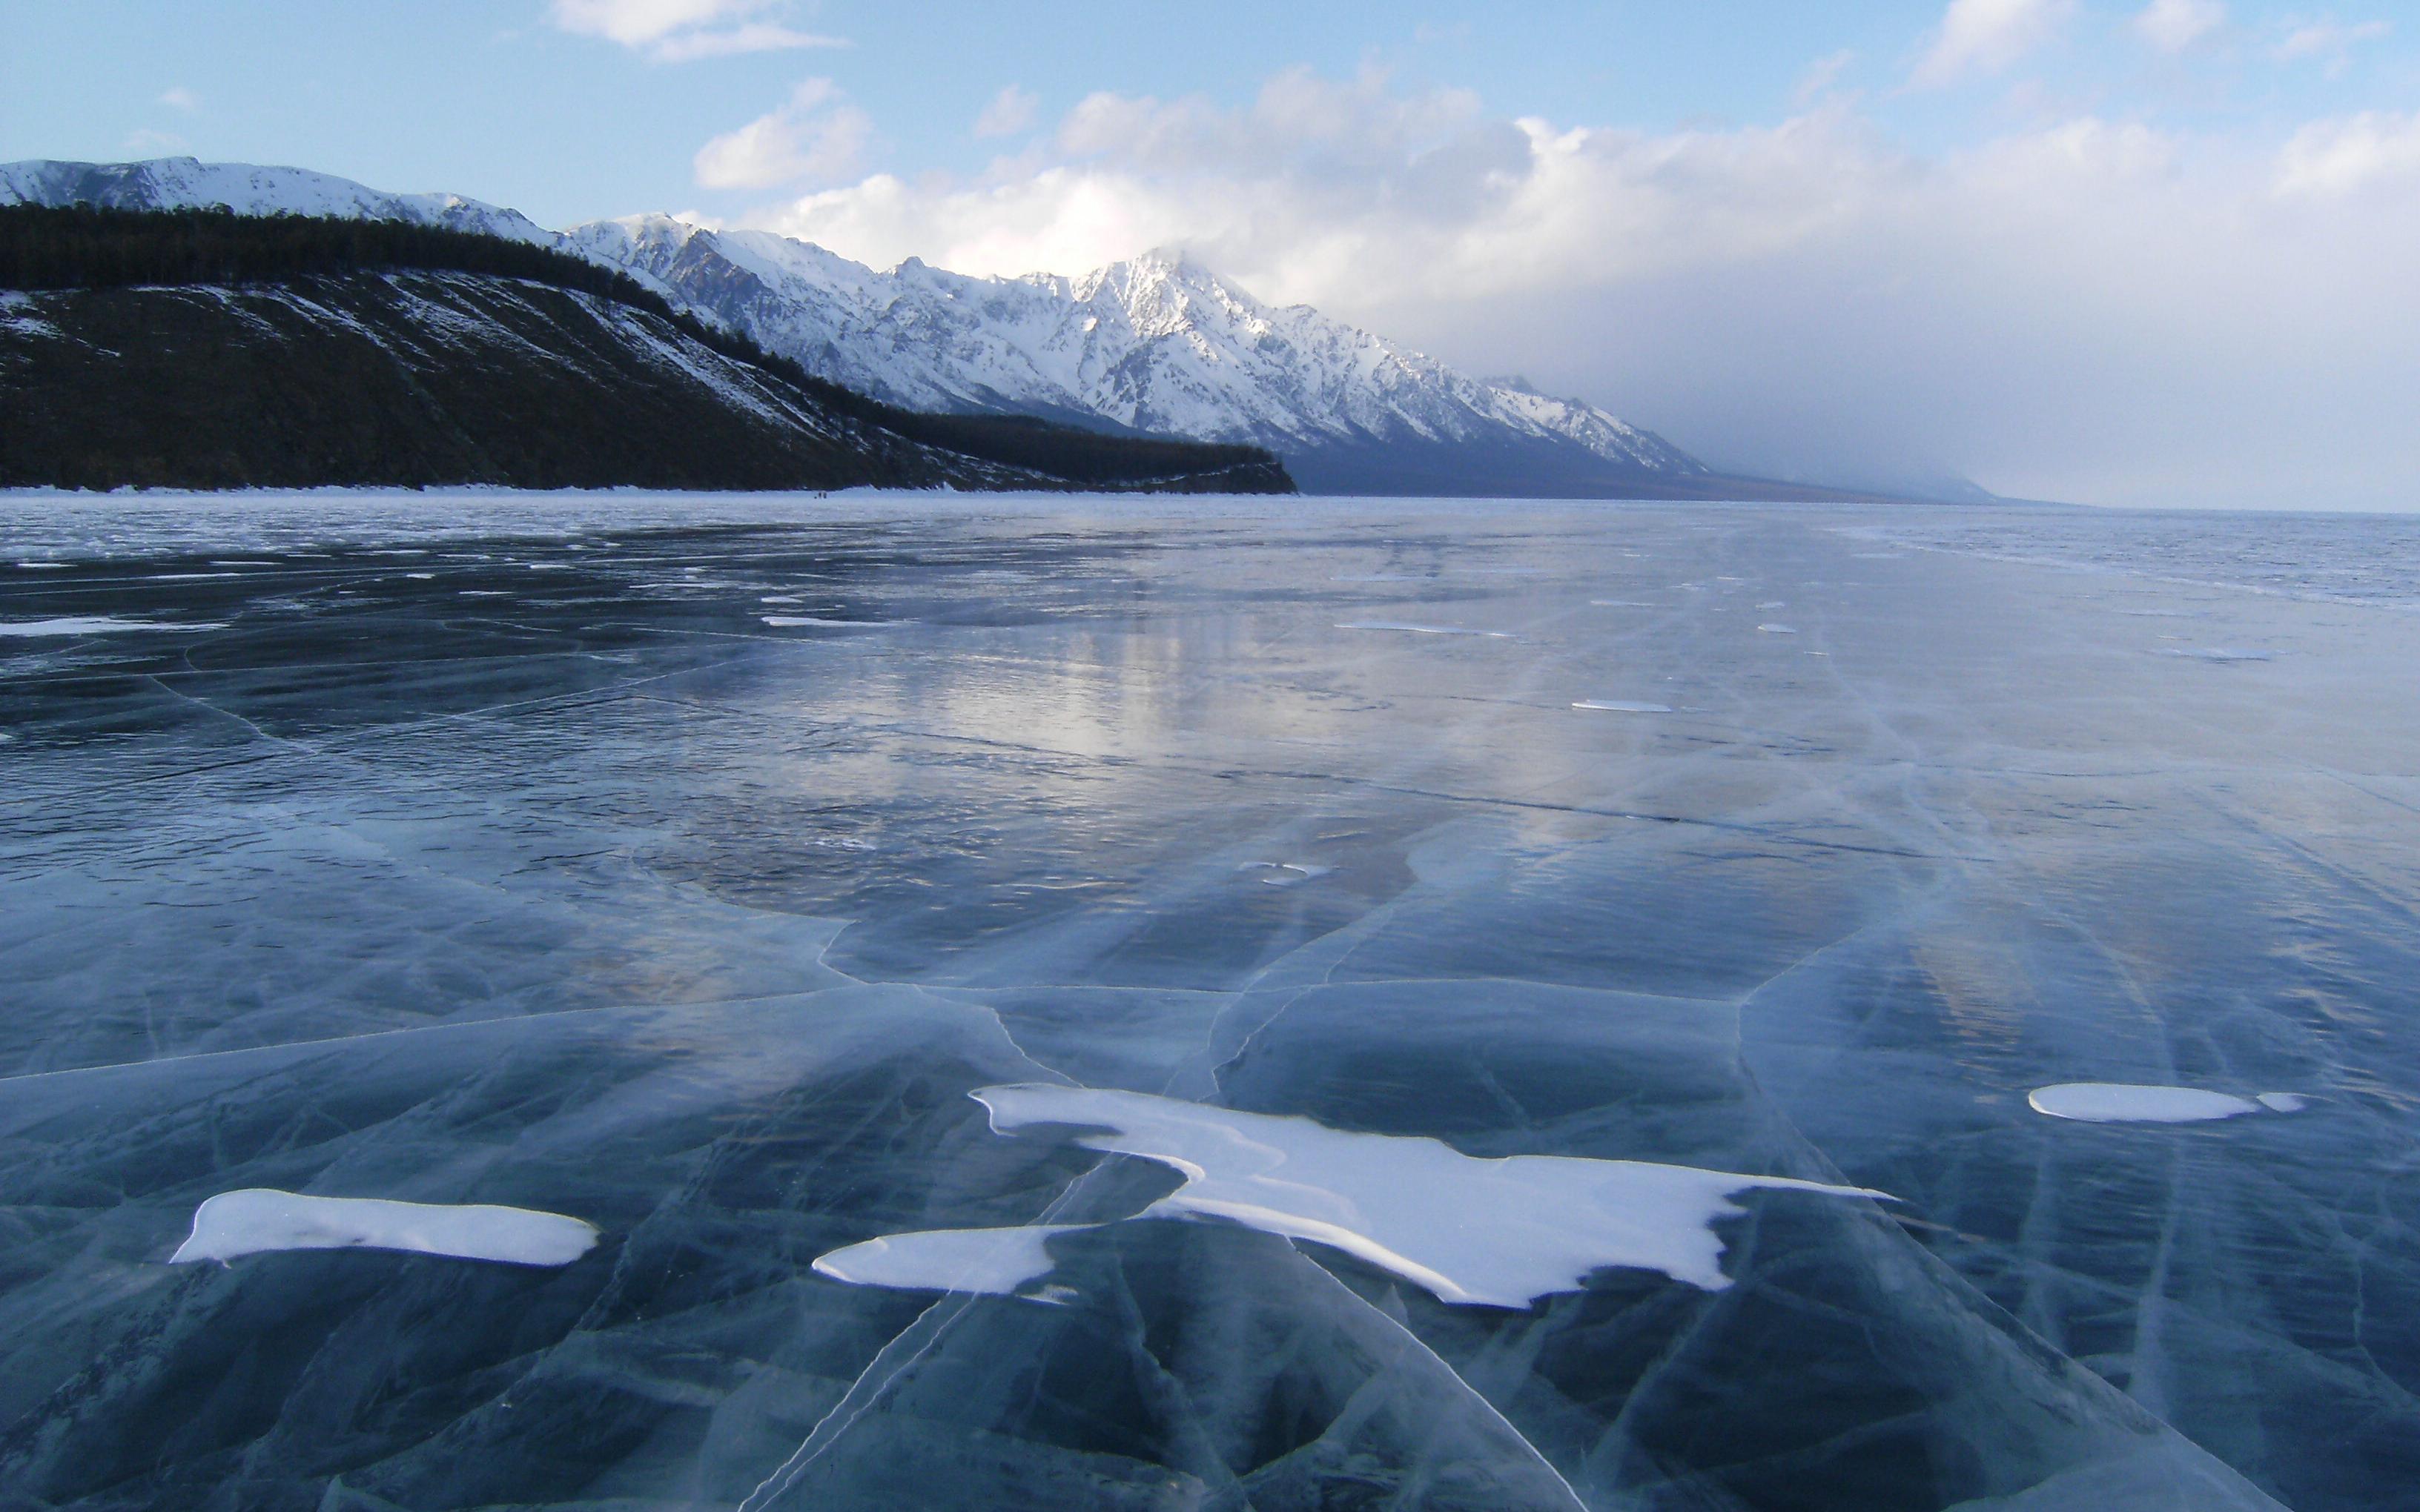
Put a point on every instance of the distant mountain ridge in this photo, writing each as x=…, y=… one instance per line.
x=1156, y=343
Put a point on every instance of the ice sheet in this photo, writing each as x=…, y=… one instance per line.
x=259, y=1220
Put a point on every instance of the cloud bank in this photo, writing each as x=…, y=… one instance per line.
x=2091, y=309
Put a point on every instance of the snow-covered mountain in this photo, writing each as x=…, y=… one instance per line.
x=182, y=183
x=1156, y=343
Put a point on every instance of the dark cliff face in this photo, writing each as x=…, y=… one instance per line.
x=433, y=377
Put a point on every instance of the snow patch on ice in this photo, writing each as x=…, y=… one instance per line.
x=1776, y=629
x=2219, y=653
x=2282, y=1102
x=1476, y=1231
x=1622, y=706
x=2124, y=1103
x=256, y=1220
x=784, y=621
x=99, y=625
x=1000, y=1262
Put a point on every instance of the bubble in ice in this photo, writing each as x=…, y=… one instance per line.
x=259, y=1220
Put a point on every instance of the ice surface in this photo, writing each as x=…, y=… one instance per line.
x=1411, y=629
x=604, y=901
x=1500, y=1233
x=1622, y=706
x=2121, y=1102
x=258, y=1219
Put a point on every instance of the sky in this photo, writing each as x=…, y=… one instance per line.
x=2149, y=252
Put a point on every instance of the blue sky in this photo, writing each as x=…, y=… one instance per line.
x=500, y=102
x=2127, y=251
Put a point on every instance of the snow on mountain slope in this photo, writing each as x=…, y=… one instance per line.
x=182, y=183
x=1157, y=343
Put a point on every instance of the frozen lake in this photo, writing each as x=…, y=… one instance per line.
x=1444, y=984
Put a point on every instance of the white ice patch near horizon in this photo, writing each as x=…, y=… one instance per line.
x=2219, y=653
x=256, y=1220
x=1776, y=629
x=1410, y=629
x=1001, y=1261
x=1622, y=706
x=99, y=625
x=2128, y=1103
x=1501, y=1232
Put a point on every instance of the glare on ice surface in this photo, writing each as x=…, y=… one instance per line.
x=258, y=1220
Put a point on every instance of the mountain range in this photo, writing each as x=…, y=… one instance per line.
x=1154, y=345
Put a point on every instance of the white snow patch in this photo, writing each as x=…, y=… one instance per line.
x=788, y=620
x=1480, y=1233
x=1776, y=629
x=2122, y=1103
x=1622, y=706
x=995, y=1260
x=2218, y=653
x=2283, y=1101
x=99, y=625
x=260, y=1219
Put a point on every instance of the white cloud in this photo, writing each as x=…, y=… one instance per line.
x=1821, y=75
x=1986, y=37
x=2173, y=25
x=1010, y=111
x=813, y=135
x=181, y=98
x=2330, y=41
x=2097, y=309
x=678, y=31
x=2349, y=154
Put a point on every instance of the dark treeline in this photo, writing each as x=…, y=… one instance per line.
x=84, y=247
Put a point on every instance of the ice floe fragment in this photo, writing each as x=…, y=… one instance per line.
x=259, y=1219
x=1622, y=706
x=995, y=1260
x=2123, y=1102
x=1484, y=1232
x=99, y=625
